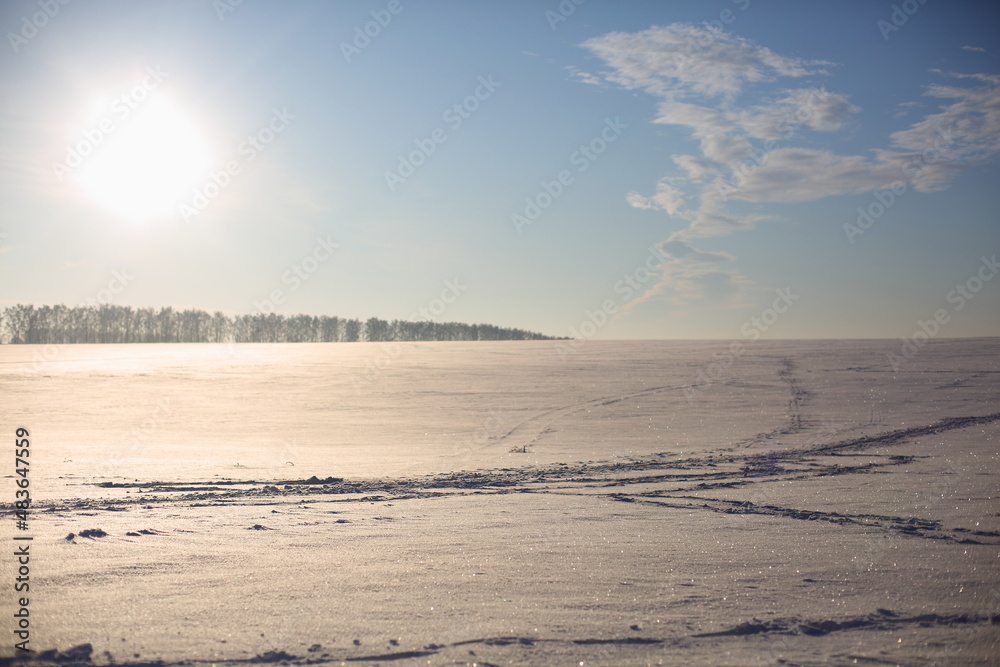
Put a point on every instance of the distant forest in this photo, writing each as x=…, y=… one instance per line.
x=28, y=324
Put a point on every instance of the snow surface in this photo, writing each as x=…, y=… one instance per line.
x=501, y=503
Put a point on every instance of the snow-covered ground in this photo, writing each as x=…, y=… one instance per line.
x=505, y=503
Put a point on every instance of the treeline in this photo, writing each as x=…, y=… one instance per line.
x=28, y=324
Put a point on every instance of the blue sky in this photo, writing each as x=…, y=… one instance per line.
x=711, y=153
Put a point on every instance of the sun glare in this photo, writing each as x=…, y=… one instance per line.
x=148, y=165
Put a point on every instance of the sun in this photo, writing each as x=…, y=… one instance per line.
x=148, y=165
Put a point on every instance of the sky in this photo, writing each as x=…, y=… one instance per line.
x=725, y=169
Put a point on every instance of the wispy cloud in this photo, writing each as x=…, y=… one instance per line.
x=978, y=49
x=585, y=77
x=682, y=59
x=904, y=108
x=690, y=276
x=702, y=80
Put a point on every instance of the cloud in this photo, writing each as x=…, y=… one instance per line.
x=698, y=170
x=732, y=96
x=969, y=126
x=903, y=109
x=682, y=59
x=812, y=108
x=975, y=48
x=585, y=77
x=678, y=249
x=689, y=276
x=805, y=174
x=667, y=198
